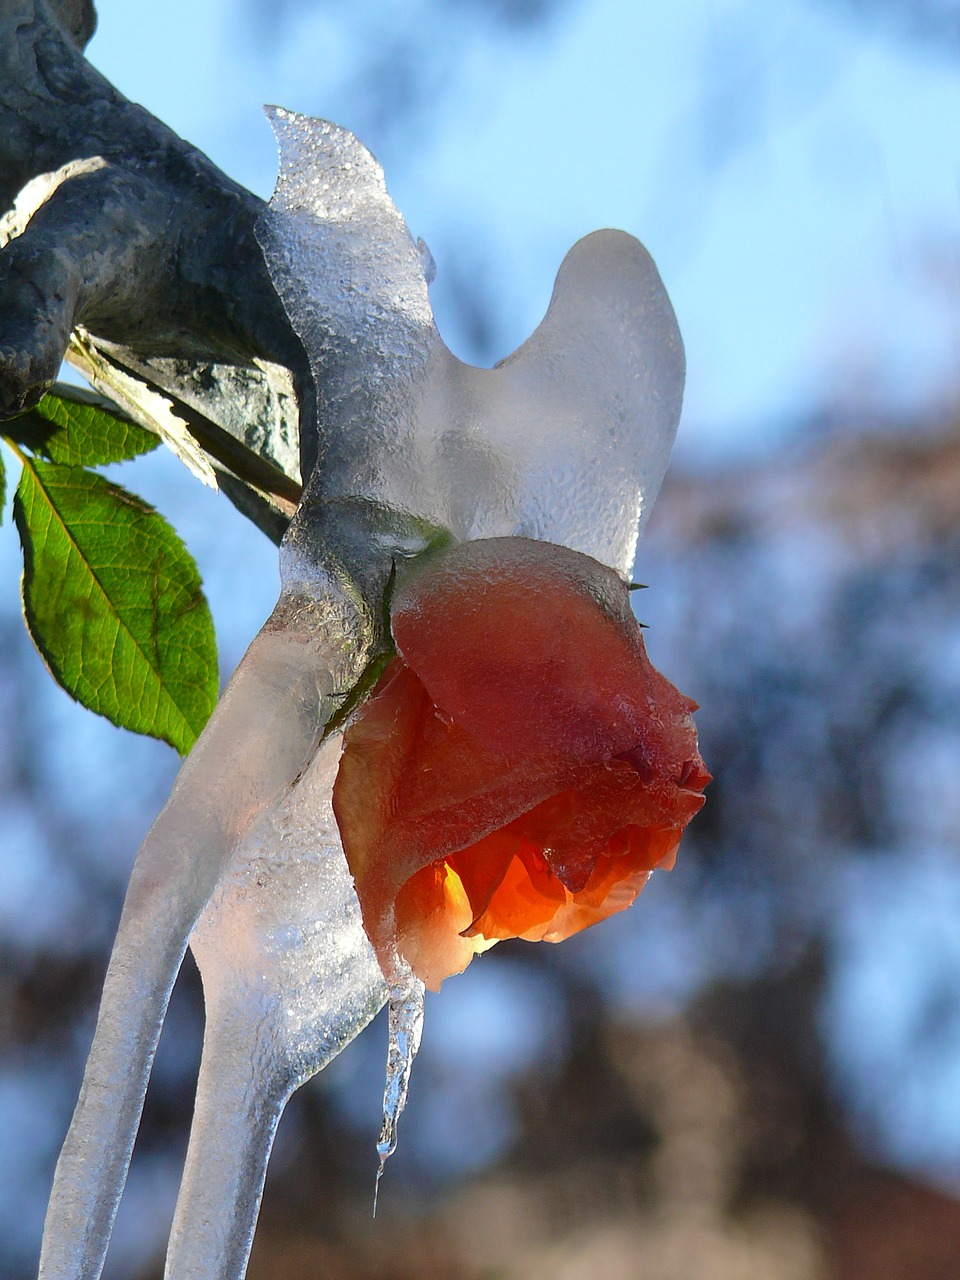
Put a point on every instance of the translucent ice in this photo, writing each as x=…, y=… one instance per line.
x=289, y=978
x=405, y=1015
x=237, y=784
x=565, y=441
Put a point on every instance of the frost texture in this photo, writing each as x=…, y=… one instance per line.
x=567, y=440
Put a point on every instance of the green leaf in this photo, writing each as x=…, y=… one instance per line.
x=113, y=601
x=76, y=428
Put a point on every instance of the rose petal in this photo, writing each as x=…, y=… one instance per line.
x=432, y=914
x=533, y=648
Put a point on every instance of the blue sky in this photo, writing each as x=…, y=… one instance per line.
x=795, y=173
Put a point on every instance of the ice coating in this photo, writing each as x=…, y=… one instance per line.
x=289, y=978
x=567, y=440
x=261, y=739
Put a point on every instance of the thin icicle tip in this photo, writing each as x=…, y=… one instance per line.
x=405, y=1022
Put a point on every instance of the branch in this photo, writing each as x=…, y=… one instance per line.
x=147, y=246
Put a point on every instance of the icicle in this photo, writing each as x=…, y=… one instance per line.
x=289, y=978
x=405, y=1014
x=257, y=742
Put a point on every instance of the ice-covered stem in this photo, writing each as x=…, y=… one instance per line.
x=258, y=741
x=152, y=250
x=289, y=978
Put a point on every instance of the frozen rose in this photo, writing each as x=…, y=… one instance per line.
x=520, y=767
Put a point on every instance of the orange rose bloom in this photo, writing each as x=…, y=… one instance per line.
x=520, y=768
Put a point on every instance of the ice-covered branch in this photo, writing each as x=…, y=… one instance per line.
x=139, y=238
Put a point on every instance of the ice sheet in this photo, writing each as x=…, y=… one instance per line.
x=567, y=440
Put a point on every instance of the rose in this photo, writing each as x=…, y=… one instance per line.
x=520, y=768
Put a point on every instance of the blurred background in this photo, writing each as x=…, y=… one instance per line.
x=756, y=1071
